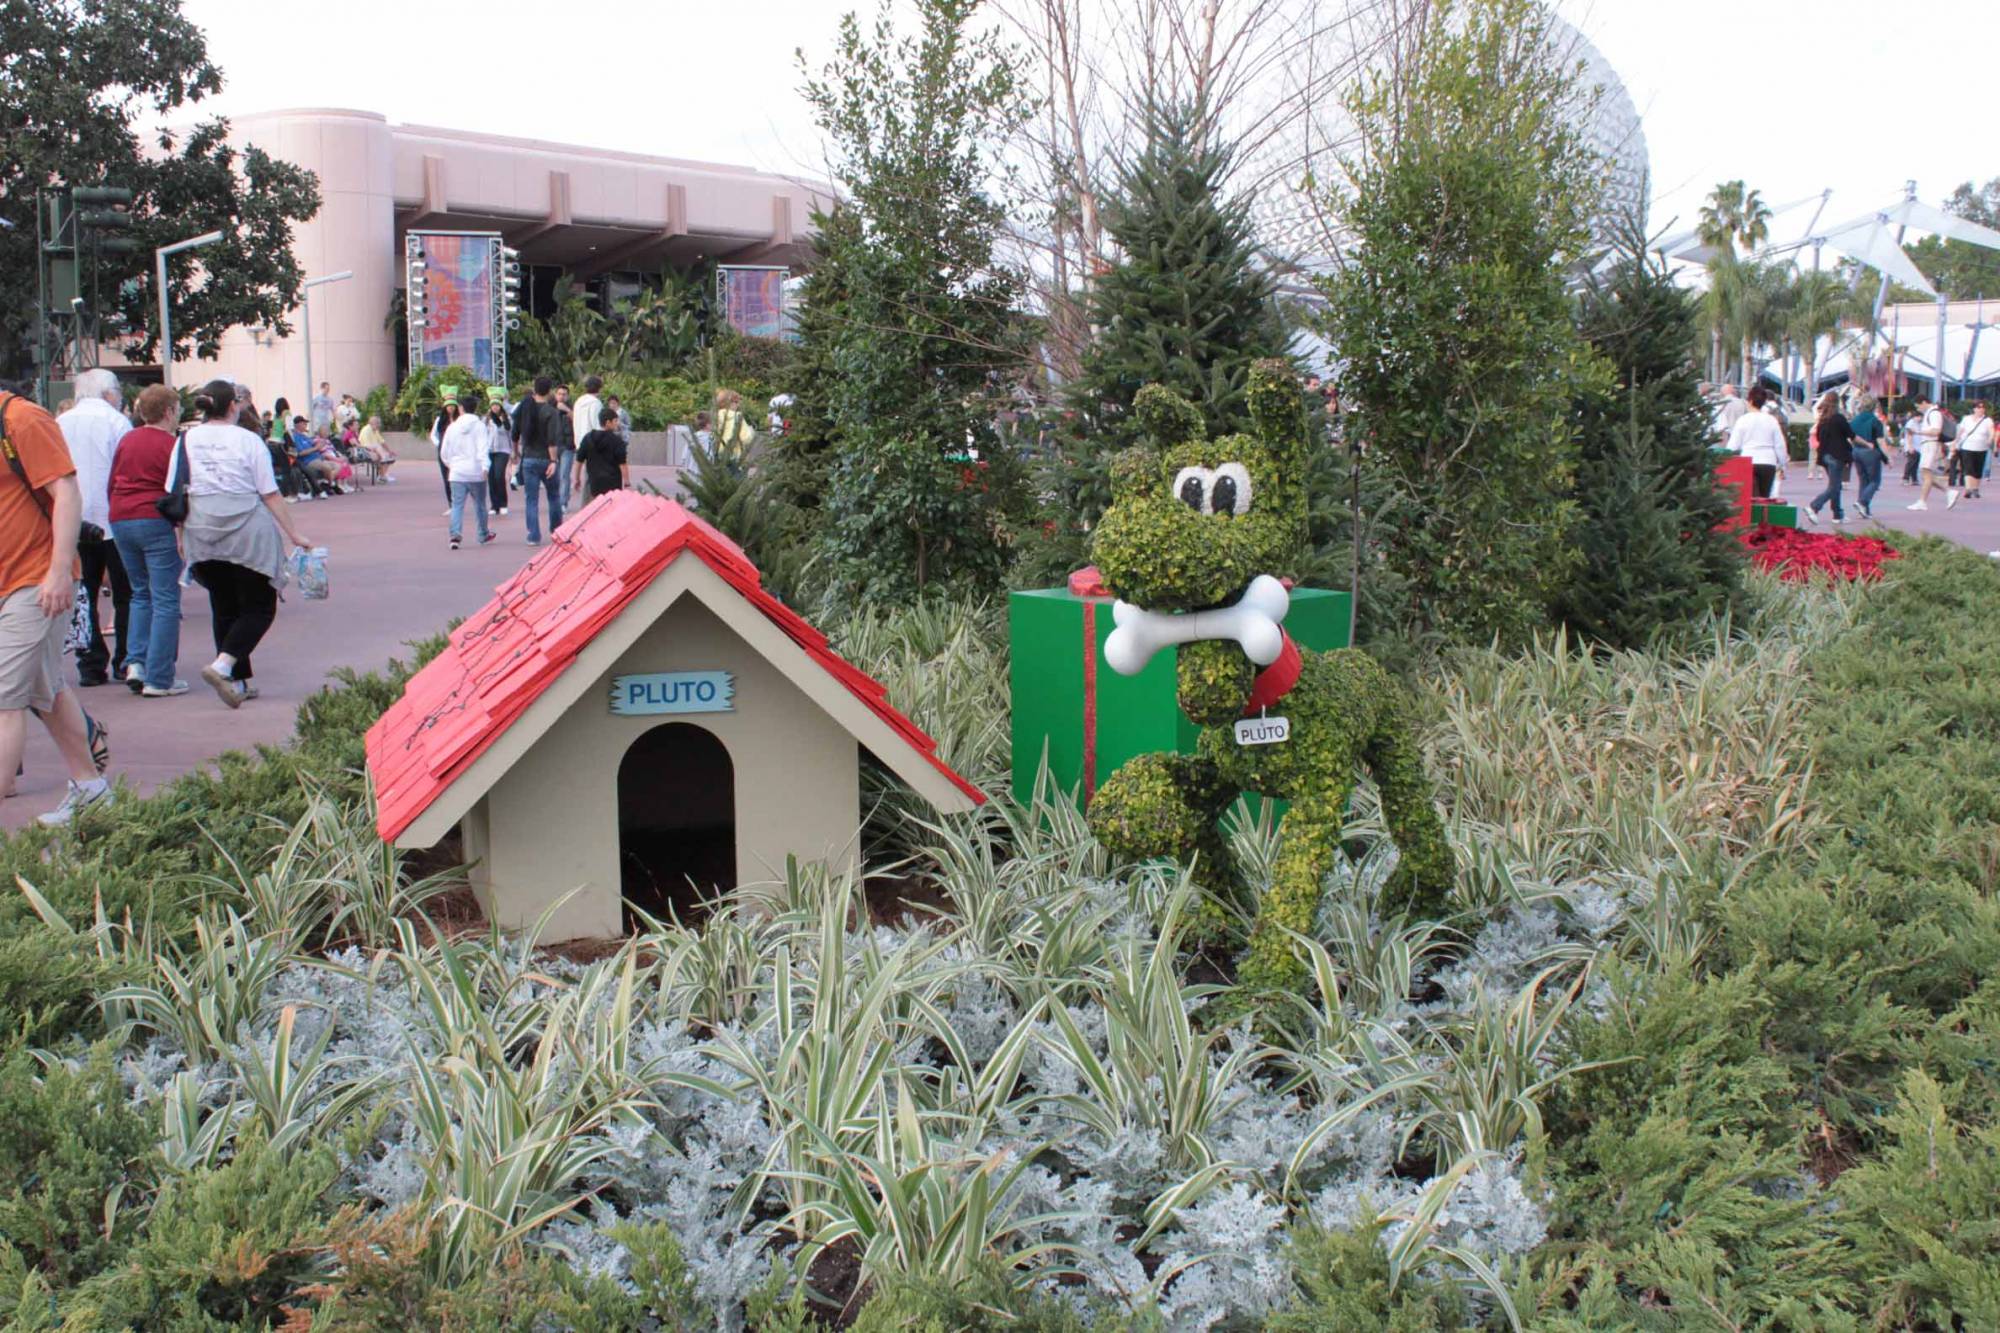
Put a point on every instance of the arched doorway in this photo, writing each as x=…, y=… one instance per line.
x=676, y=820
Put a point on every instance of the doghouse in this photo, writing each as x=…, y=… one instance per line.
x=635, y=718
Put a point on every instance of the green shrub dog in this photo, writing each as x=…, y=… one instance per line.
x=1196, y=532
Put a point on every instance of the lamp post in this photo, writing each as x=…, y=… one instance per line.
x=311, y=283
x=160, y=285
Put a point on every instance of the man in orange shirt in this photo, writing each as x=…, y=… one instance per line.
x=41, y=507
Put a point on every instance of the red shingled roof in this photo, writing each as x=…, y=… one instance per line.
x=502, y=658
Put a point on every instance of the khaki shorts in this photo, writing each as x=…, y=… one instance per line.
x=30, y=652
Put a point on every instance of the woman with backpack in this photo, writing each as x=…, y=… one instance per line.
x=1935, y=432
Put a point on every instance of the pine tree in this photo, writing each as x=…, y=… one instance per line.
x=1188, y=305
x=1646, y=494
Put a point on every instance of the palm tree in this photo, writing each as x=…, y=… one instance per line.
x=1733, y=213
x=1751, y=298
x=1819, y=304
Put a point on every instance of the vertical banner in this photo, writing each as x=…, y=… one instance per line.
x=752, y=299
x=454, y=300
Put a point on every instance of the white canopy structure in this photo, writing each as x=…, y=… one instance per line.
x=1971, y=359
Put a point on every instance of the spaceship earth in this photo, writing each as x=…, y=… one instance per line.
x=1291, y=229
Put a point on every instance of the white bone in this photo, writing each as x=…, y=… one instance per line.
x=1252, y=623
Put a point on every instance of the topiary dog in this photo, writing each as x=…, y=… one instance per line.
x=1196, y=532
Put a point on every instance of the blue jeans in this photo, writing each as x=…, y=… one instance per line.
x=461, y=492
x=153, y=567
x=1868, y=467
x=566, y=461
x=535, y=479
x=1836, y=476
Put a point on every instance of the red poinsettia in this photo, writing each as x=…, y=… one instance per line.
x=1795, y=554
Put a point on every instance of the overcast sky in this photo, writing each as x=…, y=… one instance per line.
x=1859, y=95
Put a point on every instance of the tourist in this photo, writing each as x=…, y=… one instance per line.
x=1835, y=436
x=348, y=415
x=731, y=426
x=703, y=436
x=41, y=511
x=1728, y=412
x=234, y=538
x=277, y=433
x=372, y=444
x=1933, y=454
x=566, y=450
x=92, y=430
x=600, y=458
x=1975, y=446
x=1759, y=439
x=446, y=414
x=464, y=452
x=499, y=449
x=320, y=409
x=624, y=417
x=1911, y=444
x=313, y=455
x=537, y=442
x=148, y=545
x=1869, y=459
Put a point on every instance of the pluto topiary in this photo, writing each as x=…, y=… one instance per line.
x=1197, y=533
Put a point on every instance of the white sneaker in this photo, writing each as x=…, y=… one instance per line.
x=291, y=499
x=1950, y=499
x=246, y=689
x=1919, y=506
x=225, y=689
x=178, y=687
x=1809, y=514
x=80, y=797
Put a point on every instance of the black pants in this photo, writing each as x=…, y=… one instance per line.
x=243, y=604
x=100, y=559
x=1910, y=459
x=496, y=480
x=1761, y=477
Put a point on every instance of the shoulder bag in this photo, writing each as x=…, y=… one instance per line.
x=173, y=506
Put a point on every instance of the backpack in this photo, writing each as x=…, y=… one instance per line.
x=14, y=459
x=1947, y=427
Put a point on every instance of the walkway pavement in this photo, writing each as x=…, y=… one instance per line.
x=394, y=581
x=1974, y=523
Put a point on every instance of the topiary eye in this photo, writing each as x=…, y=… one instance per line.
x=1191, y=484
x=1229, y=493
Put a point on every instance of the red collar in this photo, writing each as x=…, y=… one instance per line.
x=1275, y=681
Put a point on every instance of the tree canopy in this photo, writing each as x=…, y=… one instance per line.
x=79, y=79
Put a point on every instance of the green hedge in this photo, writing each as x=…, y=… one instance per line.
x=1803, y=1130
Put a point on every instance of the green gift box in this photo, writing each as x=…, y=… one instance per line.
x=1089, y=717
x=1777, y=515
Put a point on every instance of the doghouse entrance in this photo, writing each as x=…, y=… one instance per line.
x=676, y=821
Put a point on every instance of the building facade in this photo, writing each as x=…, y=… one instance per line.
x=589, y=211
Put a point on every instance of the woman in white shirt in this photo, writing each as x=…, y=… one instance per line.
x=235, y=536
x=1975, y=446
x=1758, y=437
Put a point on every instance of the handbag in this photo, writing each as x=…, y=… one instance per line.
x=173, y=506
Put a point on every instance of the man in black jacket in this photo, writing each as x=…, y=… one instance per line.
x=537, y=438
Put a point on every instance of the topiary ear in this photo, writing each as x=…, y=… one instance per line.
x=1134, y=472
x=1278, y=414
x=1167, y=418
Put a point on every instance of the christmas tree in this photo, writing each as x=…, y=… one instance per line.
x=1189, y=304
x=1646, y=493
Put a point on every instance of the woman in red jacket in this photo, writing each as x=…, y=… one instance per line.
x=148, y=545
